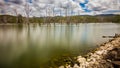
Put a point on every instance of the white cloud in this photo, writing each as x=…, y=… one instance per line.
x=39, y=6
x=99, y=5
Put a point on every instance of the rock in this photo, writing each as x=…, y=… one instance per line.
x=61, y=67
x=68, y=66
x=81, y=59
x=99, y=52
x=109, y=60
x=88, y=60
x=75, y=66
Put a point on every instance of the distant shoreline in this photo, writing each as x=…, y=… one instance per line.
x=61, y=19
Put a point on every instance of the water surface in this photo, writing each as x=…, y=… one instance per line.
x=45, y=46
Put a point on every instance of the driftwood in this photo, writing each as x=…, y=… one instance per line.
x=115, y=36
x=116, y=62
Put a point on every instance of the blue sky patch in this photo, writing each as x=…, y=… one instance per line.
x=83, y=6
x=6, y=0
x=30, y=1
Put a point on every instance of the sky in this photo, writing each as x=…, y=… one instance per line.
x=59, y=7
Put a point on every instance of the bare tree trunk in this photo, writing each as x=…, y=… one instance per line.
x=27, y=19
x=15, y=10
x=46, y=16
x=67, y=17
x=28, y=12
x=53, y=16
x=49, y=16
x=60, y=16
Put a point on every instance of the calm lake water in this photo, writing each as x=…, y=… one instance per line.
x=45, y=46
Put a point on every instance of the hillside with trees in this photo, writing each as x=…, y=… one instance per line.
x=61, y=19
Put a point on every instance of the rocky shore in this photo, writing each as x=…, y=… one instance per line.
x=107, y=55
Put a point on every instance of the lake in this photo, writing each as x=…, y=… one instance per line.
x=45, y=46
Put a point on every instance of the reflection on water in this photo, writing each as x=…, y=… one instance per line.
x=43, y=46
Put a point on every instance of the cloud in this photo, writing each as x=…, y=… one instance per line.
x=99, y=5
x=39, y=7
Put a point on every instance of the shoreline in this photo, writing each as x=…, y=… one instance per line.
x=107, y=55
x=50, y=23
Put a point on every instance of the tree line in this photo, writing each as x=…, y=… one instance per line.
x=61, y=19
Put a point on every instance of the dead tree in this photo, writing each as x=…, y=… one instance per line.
x=16, y=14
x=67, y=15
x=28, y=12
